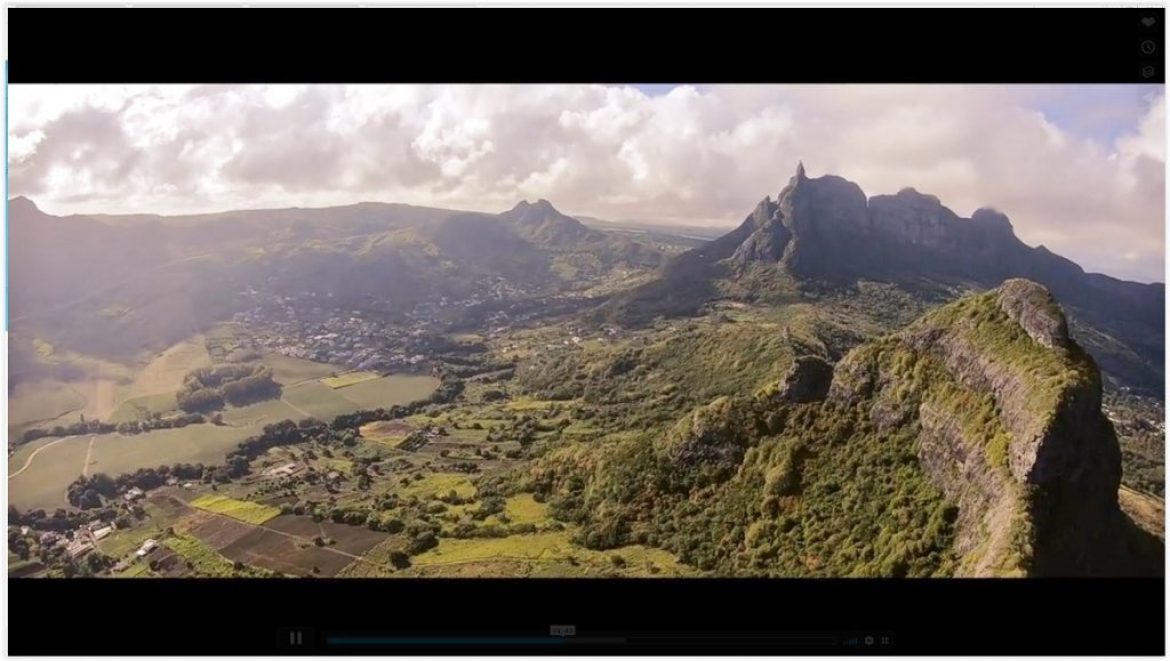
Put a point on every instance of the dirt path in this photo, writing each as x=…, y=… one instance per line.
x=298, y=538
x=297, y=408
x=28, y=462
x=88, y=454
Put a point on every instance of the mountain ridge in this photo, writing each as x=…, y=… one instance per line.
x=825, y=233
x=984, y=413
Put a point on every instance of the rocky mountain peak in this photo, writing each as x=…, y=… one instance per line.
x=1032, y=307
x=21, y=205
x=992, y=218
x=542, y=223
x=825, y=227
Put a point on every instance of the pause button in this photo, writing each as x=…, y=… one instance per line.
x=292, y=639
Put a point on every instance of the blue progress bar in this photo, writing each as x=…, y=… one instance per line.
x=414, y=640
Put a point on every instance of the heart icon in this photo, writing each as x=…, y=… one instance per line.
x=1149, y=21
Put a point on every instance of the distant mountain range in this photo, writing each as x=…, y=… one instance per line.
x=116, y=286
x=818, y=234
x=824, y=233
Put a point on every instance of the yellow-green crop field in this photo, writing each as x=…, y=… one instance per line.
x=348, y=379
x=243, y=510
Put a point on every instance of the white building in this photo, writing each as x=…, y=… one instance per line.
x=147, y=546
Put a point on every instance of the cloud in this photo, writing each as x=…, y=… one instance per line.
x=1079, y=169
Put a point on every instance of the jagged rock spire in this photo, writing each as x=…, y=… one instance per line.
x=800, y=170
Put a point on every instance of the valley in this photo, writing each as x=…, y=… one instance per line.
x=456, y=394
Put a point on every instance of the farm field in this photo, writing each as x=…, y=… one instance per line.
x=348, y=379
x=347, y=539
x=164, y=373
x=201, y=559
x=264, y=548
x=390, y=390
x=259, y=414
x=438, y=484
x=523, y=508
x=114, y=454
x=245, y=511
x=122, y=543
x=377, y=560
x=25, y=450
x=289, y=370
x=141, y=408
x=386, y=431
x=323, y=402
x=42, y=485
x=313, y=398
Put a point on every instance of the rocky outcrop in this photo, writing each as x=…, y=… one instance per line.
x=1033, y=308
x=1008, y=413
x=808, y=380
x=715, y=434
x=768, y=237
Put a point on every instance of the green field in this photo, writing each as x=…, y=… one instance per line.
x=288, y=370
x=141, y=408
x=259, y=414
x=524, y=509
x=122, y=543
x=136, y=570
x=245, y=511
x=390, y=390
x=317, y=399
x=207, y=444
x=203, y=560
x=24, y=451
x=439, y=484
x=348, y=379
x=42, y=485
x=334, y=464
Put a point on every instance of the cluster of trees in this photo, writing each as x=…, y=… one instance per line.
x=209, y=388
x=170, y=422
x=752, y=488
x=450, y=387
x=471, y=369
x=88, y=492
x=93, y=426
x=61, y=520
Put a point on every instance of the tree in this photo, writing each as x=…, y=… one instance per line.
x=399, y=559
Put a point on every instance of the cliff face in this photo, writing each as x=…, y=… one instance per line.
x=971, y=443
x=1007, y=409
x=824, y=230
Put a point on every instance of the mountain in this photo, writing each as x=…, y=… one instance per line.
x=823, y=233
x=970, y=443
x=543, y=225
x=117, y=286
